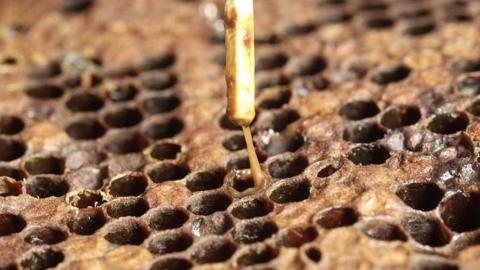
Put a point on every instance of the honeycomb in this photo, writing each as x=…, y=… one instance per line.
x=116, y=152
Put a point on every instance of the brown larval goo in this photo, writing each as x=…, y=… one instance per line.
x=116, y=152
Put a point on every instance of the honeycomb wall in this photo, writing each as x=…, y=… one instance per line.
x=115, y=151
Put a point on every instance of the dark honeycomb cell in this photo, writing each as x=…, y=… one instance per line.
x=85, y=128
x=125, y=231
x=9, y=187
x=122, y=117
x=363, y=133
x=273, y=98
x=298, y=29
x=418, y=28
x=124, y=143
x=41, y=258
x=425, y=230
x=330, y=169
x=296, y=236
x=83, y=198
x=234, y=142
x=120, y=71
x=205, y=180
x=305, y=65
x=420, y=196
x=270, y=60
x=11, y=149
x=12, y=172
x=74, y=81
x=45, y=71
x=169, y=242
x=166, y=171
x=256, y=254
x=160, y=103
x=225, y=123
x=266, y=38
x=206, y=203
x=129, y=206
x=212, y=249
x=251, y=207
x=164, y=218
x=10, y=266
x=158, y=61
x=401, y=116
x=359, y=109
x=74, y=6
x=335, y=16
x=372, y=6
x=378, y=22
x=219, y=58
x=43, y=91
x=43, y=186
x=474, y=108
x=287, y=167
x=413, y=13
x=265, y=80
x=282, y=142
x=241, y=181
x=45, y=236
x=319, y=83
x=391, y=75
x=313, y=254
x=469, y=85
x=368, y=154
x=122, y=92
x=86, y=221
x=457, y=17
x=157, y=129
x=238, y=163
x=461, y=212
x=127, y=184
x=171, y=263
x=10, y=125
x=158, y=81
x=217, y=223
x=84, y=102
x=287, y=191
x=165, y=150
x=10, y=223
x=448, y=123
x=336, y=217
x=331, y=2
x=44, y=164
x=383, y=230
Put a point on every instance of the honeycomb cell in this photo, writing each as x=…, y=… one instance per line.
x=164, y=218
x=256, y=254
x=10, y=125
x=383, y=230
x=337, y=217
x=125, y=231
x=206, y=203
x=212, y=249
x=421, y=196
x=359, y=109
x=461, y=212
x=42, y=258
x=169, y=242
x=11, y=223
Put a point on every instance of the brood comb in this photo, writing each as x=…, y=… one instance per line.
x=117, y=154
